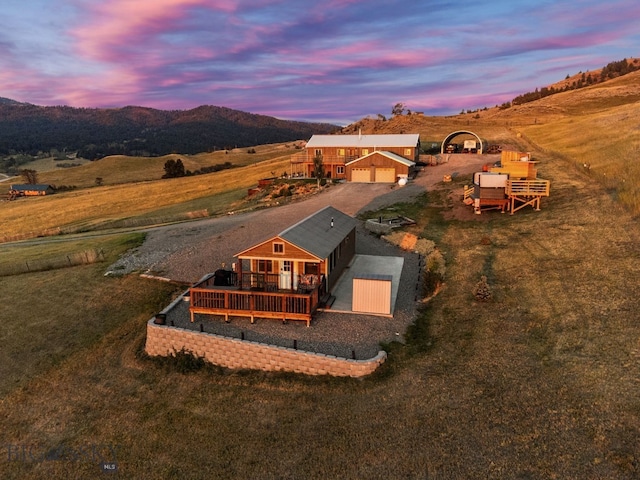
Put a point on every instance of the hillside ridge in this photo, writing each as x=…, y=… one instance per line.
x=133, y=130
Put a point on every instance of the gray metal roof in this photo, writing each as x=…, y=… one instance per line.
x=32, y=187
x=363, y=141
x=391, y=155
x=315, y=233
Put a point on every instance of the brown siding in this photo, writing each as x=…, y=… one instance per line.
x=378, y=161
x=265, y=250
x=331, y=159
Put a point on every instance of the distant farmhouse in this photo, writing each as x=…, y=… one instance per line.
x=31, y=190
x=359, y=158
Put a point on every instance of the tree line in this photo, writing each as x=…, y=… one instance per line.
x=608, y=72
x=136, y=131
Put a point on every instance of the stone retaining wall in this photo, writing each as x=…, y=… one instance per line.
x=164, y=340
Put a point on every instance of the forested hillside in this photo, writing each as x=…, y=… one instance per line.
x=95, y=133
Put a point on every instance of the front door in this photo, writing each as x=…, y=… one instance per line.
x=285, y=275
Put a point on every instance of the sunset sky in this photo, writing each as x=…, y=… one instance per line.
x=334, y=61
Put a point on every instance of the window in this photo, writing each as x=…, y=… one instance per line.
x=407, y=152
x=311, y=268
x=365, y=151
x=264, y=266
x=341, y=152
x=278, y=248
x=340, y=170
x=318, y=152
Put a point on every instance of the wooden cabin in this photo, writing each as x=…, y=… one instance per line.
x=379, y=167
x=335, y=151
x=285, y=277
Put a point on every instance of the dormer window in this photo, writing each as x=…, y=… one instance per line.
x=278, y=248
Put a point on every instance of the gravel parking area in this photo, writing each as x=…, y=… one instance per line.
x=188, y=251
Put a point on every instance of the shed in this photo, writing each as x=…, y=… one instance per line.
x=372, y=294
x=379, y=167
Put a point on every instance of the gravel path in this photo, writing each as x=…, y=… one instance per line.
x=188, y=251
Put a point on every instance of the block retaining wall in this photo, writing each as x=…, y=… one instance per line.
x=164, y=340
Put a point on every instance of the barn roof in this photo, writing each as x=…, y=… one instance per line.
x=380, y=140
x=391, y=155
x=319, y=233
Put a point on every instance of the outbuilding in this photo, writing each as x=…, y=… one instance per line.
x=379, y=167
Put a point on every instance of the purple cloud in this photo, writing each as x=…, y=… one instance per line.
x=336, y=61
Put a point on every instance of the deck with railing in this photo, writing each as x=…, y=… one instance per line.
x=257, y=296
x=517, y=194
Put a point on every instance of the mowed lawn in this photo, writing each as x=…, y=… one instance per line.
x=540, y=382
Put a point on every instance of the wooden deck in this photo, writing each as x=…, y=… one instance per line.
x=517, y=195
x=262, y=300
x=526, y=192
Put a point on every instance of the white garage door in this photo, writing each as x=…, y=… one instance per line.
x=385, y=175
x=361, y=175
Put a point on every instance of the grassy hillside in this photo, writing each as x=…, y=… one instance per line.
x=595, y=125
x=539, y=383
x=90, y=208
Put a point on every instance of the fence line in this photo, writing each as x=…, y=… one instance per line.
x=86, y=257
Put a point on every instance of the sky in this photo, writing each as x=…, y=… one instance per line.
x=333, y=61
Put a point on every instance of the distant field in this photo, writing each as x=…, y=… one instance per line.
x=119, y=169
x=86, y=209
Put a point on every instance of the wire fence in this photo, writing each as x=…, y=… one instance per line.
x=86, y=257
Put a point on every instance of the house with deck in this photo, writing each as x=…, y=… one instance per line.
x=285, y=277
x=31, y=190
x=336, y=152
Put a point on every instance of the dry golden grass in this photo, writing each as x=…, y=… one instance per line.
x=119, y=169
x=541, y=382
x=85, y=209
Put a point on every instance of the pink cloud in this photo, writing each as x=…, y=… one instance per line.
x=121, y=22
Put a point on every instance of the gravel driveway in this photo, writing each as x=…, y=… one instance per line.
x=188, y=251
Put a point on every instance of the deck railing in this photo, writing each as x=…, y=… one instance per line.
x=254, y=301
x=526, y=188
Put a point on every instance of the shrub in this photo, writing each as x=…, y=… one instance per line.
x=185, y=361
x=482, y=291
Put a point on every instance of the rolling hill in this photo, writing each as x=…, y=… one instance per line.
x=95, y=133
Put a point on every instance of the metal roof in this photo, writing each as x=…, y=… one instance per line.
x=374, y=141
x=391, y=155
x=321, y=232
x=31, y=187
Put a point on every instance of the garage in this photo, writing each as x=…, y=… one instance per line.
x=385, y=175
x=379, y=167
x=361, y=175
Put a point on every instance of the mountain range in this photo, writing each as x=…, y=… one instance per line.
x=95, y=133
